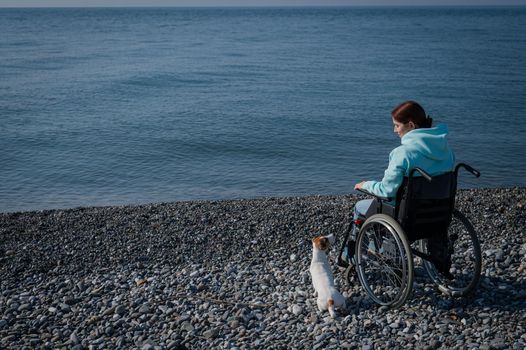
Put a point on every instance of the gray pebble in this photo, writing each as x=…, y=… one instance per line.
x=144, y=309
x=121, y=310
x=108, y=331
x=187, y=326
x=395, y=325
x=24, y=307
x=73, y=338
x=211, y=333
x=296, y=309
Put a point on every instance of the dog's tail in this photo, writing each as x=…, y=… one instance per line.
x=330, y=306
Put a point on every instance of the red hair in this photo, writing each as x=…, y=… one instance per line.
x=411, y=111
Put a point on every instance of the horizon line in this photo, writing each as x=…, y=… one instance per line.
x=267, y=6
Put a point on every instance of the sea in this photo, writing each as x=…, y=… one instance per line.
x=127, y=106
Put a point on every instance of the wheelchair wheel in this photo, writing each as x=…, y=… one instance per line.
x=384, y=262
x=466, y=259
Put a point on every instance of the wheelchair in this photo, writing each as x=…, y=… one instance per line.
x=422, y=221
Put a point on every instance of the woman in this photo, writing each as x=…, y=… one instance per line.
x=423, y=146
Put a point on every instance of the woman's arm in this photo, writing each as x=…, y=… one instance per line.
x=393, y=176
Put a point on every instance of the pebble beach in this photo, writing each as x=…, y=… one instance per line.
x=233, y=274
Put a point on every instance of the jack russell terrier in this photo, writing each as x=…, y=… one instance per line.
x=322, y=277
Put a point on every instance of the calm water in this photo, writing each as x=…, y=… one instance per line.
x=127, y=106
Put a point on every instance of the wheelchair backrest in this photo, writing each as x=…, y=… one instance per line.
x=423, y=207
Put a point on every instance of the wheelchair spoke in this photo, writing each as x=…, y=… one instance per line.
x=382, y=267
x=464, y=249
x=395, y=277
x=391, y=274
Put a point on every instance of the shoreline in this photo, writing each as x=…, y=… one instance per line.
x=233, y=199
x=233, y=274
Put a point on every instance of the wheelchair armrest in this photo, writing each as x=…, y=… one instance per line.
x=422, y=172
x=386, y=199
x=468, y=168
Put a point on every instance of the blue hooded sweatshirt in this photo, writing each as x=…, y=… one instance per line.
x=425, y=148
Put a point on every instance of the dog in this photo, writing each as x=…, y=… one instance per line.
x=329, y=297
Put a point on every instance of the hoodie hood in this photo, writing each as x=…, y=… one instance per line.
x=429, y=142
x=425, y=148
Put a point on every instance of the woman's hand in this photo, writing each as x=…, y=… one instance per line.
x=359, y=185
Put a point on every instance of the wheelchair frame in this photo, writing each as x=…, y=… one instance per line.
x=383, y=254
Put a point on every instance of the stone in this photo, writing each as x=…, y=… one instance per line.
x=173, y=345
x=73, y=338
x=187, y=326
x=297, y=310
x=121, y=310
x=498, y=344
x=144, y=309
x=24, y=307
x=211, y=333
x=108, y=331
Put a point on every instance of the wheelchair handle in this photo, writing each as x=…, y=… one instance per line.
x=372, y=194
x=468, y=168
x=422, y=172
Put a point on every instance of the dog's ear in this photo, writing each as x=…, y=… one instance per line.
x=320, y=242
x=324, y=243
